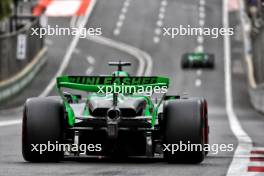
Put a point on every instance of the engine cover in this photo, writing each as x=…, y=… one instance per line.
x=129, y=106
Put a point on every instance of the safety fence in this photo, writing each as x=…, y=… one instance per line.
x=18, y=49
x=258, y=56
x=257, y=98
x=254, y=59
x=21, y=57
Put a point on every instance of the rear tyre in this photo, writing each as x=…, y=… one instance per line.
x=205, y=120
x=211, y=61
x=42, y=124
x=183, y=124
x=206, y=124
x=185, y=61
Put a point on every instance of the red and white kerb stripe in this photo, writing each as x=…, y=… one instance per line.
x=256, y=164
x=61, y=7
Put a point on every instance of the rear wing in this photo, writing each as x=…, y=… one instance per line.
x=101, y=83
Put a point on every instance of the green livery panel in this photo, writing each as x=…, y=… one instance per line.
x=97, y=83
x=93, y=83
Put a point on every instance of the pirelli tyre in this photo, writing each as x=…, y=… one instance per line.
x=185, y=61
x=183, y=127
x=43, y=123
x=204, y=107
x=211, y=61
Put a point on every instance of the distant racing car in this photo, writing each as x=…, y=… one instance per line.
x=113, y=124
x=198, y=60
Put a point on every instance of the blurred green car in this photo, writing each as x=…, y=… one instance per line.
x=197, y=60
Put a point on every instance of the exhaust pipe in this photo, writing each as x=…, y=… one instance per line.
x=113, y=113
x=113, y=116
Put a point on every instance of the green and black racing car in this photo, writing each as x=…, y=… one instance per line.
x=198, y=60
x=124, y=124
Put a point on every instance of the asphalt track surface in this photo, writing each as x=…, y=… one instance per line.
x=138, y=31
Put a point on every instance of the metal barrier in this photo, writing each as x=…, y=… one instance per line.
x=254, y=59
x=22, y=55
x=258, y=57
x=257, y=98
x=18, y=49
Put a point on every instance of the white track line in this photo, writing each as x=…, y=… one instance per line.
x=199, y=48
x=90, y=60
x=256, y=155
x=201, y=22
x=9, y=122
x=198, y=82
x=145, y=60
x=48, y=42
x=161, y=15
x=156, y=39
x=158, y=31
x=256, y=163
x=238, y=166
x=202, y=2
x=162, y=9
x=77, y=51
x=202, y=15
x=116, y=32
x=73, y=21
x=259, y=148
x=200, y=39
x=69, y=52
x=201, y=8
x=159, y=23
x=199, y=72
x=89, y=70
x=121, y=18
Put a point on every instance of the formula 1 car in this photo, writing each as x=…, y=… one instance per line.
x=197, y=60
x=118, y=124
